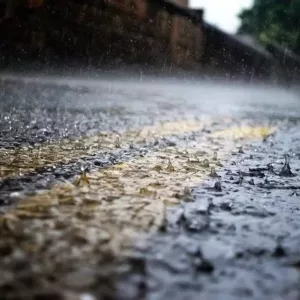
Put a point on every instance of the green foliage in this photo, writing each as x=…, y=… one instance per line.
x=273, y=20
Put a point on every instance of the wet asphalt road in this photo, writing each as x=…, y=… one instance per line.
x=239, y=241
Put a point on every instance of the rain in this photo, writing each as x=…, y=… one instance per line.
x=147, y=151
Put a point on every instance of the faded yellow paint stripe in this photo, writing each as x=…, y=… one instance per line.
x=28, y=159
x=251, y=132
x=104, y=210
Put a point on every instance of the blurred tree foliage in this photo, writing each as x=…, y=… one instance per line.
x=273, y=20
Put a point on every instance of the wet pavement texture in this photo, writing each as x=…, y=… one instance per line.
x=235, y=236
x=238, y=243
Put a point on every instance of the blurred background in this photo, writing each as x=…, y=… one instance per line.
x=245, y=39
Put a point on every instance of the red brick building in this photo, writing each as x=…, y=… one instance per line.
x=181, y=35
x=154, y=33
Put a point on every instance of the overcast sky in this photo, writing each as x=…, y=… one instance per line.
x=222, y=13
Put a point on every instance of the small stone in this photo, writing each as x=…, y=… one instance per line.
x=251, y=181
x=226, y=206
x=239, y=254
x=203, y=265
x=279, y=251
x=98, y=163
x=241, y=150
x=218, y=186
x=15, y=196
x=169, y=143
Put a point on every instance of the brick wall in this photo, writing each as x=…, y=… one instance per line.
x=106, y=33
x=116, y=33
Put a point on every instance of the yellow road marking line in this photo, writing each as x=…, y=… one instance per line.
x=240, y=132
x=105, y=213
x=27, y=159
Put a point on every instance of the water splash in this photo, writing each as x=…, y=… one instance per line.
x=82, y=179
x=213, y=173
x=205, y=163
x=286, y=169
x=170, y=167
x=215, y=156
x=241, y=150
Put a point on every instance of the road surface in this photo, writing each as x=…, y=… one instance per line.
x=148, y=189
